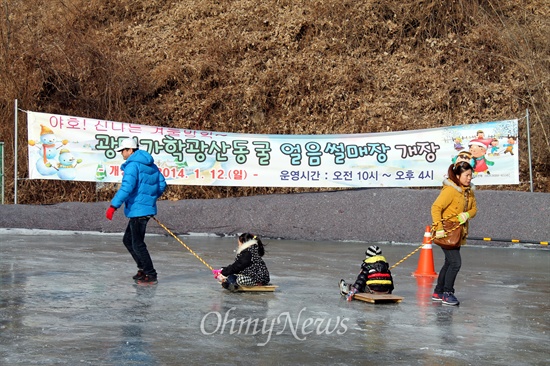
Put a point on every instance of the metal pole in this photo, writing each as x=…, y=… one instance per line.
x=15, y=158
x=529, y=150
x=509, y=240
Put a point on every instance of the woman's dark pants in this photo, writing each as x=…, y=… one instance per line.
x=449, y=271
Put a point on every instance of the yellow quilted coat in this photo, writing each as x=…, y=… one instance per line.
x=450, y=203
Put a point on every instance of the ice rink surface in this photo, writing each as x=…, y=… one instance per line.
x=68, y=299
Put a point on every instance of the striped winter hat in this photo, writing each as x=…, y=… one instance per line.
x=373, y=250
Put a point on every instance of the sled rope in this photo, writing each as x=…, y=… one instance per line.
x=182, y=243
x=406, y=257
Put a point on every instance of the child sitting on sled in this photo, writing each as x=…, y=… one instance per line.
x=248, y=269
x=375, y=276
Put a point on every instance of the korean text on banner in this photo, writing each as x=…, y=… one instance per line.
x=83, y=149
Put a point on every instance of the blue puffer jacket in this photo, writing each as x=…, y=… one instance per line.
x=142, y=184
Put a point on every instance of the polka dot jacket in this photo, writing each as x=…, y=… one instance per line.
x=249, y=264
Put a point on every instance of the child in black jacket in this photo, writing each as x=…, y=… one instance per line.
x=375, y=276
x=249, y=268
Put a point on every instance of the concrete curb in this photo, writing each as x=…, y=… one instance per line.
x=369, y=215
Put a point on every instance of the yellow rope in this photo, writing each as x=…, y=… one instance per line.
x=406, y=257
x=182, y=243
x=210, y=267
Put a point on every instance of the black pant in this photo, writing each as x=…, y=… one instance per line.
x=449, y=271
x=231, y=280
x=134, y=241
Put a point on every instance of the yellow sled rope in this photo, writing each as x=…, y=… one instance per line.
x=182, y=243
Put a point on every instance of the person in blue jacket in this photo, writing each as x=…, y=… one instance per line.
x=142, y=184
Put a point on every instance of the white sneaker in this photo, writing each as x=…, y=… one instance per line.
x=344, y=288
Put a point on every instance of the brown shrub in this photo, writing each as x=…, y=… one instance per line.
x=274, y=67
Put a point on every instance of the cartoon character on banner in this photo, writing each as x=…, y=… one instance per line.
x=478, y=148
x=47, y=150
x=463, y=156
x=494, y=147
x=67, y=164
x=458, y=143
x=510, y=145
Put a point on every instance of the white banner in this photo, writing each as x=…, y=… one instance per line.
x=83, y=149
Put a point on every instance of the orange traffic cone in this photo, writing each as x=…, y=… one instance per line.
x=426, y=261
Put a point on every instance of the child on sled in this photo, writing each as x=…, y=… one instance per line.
x=248, y=269
x=375, y=276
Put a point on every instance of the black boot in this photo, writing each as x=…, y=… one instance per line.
x=232, y=283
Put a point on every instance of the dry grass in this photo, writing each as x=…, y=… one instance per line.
x=283, y=67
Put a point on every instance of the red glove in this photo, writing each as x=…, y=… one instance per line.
x=110, y=212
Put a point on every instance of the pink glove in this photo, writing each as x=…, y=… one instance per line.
x=110, y=212
x=216, y=273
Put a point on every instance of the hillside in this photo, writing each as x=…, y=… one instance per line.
x=286, y=67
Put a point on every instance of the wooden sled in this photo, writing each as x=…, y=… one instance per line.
x=268, y=288
x=377, y=298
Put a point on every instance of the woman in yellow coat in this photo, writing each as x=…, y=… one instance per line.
x=456, y=202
